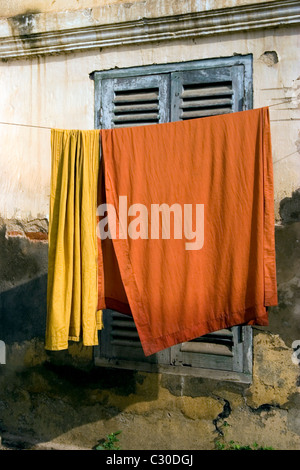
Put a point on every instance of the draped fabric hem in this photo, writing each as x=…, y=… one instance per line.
x=256, y=315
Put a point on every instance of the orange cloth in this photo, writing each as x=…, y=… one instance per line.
x=175, y=294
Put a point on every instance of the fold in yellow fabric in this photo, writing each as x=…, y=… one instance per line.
x=72, y=293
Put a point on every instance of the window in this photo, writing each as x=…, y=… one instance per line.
x=157, y=94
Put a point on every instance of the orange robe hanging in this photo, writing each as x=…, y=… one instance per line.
x=175, y=294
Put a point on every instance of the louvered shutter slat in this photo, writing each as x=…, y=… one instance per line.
x=125, y=334
x=136, y=117
x=136, y=97
x=135, y=107
x=202, y=113
x=125, y=343
x=133, y=124
x=226, y=333
x=124, y=324
x=206, y=348
x=206, y=91
x=206, y=103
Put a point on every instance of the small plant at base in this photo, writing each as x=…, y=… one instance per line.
x=110, y=443
x=234, y=446
x=231, y=445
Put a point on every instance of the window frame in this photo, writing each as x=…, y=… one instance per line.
x=245, y=353
x=246, y=61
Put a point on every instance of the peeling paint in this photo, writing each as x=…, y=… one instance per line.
x=35, y=230
x=270, y=58
x=290, y=208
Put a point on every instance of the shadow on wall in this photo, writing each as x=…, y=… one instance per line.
x=23, y=283
x=23, y=311
x=44, y=394
x=284, y=318
x=49, y=395
x=290, y=208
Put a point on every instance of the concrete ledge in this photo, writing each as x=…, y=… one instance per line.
x=25, y=41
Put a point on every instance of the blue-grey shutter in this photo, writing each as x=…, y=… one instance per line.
x=226, y=350
x=154, y=98
x=195, y=94
x=134, y=101
x=123, y=102
x=120, y=344
x=207, y=92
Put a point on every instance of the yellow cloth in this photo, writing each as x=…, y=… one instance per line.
x=72, y=261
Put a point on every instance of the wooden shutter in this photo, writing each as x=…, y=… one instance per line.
x=134, y=101
x=220, y=350
x=195, y=94
x=120, y=344
x=207, y=92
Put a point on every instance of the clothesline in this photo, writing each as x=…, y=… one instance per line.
x=24, y=125
x=49, y=128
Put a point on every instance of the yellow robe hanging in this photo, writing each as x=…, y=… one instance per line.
x=72, y=261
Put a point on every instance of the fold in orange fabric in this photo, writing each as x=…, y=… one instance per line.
x=178, y=288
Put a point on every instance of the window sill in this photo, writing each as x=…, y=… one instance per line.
x=213, y=374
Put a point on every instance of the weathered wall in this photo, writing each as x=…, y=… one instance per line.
x=41, y=91
x=10, y=8
x=60, y=397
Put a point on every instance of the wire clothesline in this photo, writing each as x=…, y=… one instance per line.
x=24, y=125
x=49, y=128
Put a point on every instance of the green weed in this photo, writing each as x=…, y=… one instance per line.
x=110, y=442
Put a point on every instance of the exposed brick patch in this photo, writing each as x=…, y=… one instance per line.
x=14, y=233
x=37, y=236
x=34, y=230
x=32, y=236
